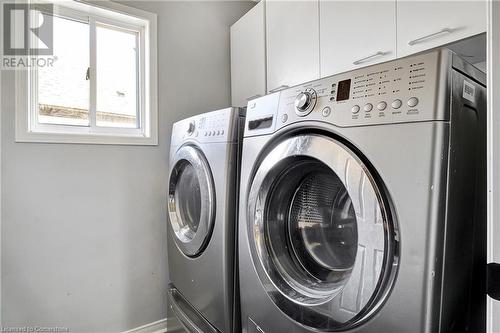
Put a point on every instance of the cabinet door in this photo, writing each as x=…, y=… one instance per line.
x=248, y=56
x=292, y=42
x=355, y=34
x=424, y=25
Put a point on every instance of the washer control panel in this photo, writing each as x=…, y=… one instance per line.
x=213, y=126
x=403, y=90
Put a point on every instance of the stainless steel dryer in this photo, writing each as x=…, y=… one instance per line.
x=362, y=201
x=202, y=220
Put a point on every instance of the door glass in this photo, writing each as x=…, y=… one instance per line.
x=321, y=231
x=322, y=227
x=188, y=200
x=311, y=228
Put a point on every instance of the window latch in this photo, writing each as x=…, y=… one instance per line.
x=87, y=75
x=493, y=280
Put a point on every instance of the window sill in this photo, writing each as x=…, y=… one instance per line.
x=96, y=139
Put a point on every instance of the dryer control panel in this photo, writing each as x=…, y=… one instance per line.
x=216, y=126
x=404, y=90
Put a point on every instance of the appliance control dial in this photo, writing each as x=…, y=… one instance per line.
x=191, y=127
x=305, y=102
x=302, y=101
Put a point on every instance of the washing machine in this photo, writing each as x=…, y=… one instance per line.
x=362, y=201
x=202, y=199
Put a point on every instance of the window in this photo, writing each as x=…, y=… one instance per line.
x=101, y=86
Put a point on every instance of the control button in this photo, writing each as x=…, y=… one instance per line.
x=222, y=132
x=413, y=101
x=355, y=109
x=213, y=133
x=205, y=133
x=284, y=118
x=209, y=133
x=368, y=107
x=218, y=132
x=381, y=106
x=396, y=104
x=326, y=111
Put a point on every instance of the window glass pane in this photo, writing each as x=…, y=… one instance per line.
x=117, y=79
x=63, y=90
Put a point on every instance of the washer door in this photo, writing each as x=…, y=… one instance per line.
x=321, y=233
x=191, y=204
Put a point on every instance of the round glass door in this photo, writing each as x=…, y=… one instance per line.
x=321, y=233
x=191, y=200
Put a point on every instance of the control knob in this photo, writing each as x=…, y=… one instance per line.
x=305, y=102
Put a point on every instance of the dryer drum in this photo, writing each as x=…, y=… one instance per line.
x=322, y=226
x=320, y=232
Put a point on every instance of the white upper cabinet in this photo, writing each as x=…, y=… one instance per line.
x=424, y=25
x=356, y=34
x=292, y=42
x=248, y=56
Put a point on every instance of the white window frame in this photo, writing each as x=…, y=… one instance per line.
x=97, y=13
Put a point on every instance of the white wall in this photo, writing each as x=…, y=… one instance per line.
x=83, y=226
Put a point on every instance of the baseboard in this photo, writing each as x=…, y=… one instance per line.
x=159, y=326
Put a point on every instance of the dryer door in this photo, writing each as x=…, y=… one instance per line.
x=191, y=204
x=321, y=233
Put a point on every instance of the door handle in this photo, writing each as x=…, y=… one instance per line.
x=429, y=36
x=371, y=56
x=283, y=86
x=253, y=97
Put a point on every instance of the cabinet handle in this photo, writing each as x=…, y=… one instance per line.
x=365, y=59
x=283, y=86
x=253, y=97
x=435, y=34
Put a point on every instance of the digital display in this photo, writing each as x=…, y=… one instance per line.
x=343, y=90
x=260, y=123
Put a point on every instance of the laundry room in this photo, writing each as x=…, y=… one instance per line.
x=264, y=166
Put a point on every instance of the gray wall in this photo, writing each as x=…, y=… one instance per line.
x=83, y=226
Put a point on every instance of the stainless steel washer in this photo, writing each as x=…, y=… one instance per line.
x=202, y=220
x=366, y=219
